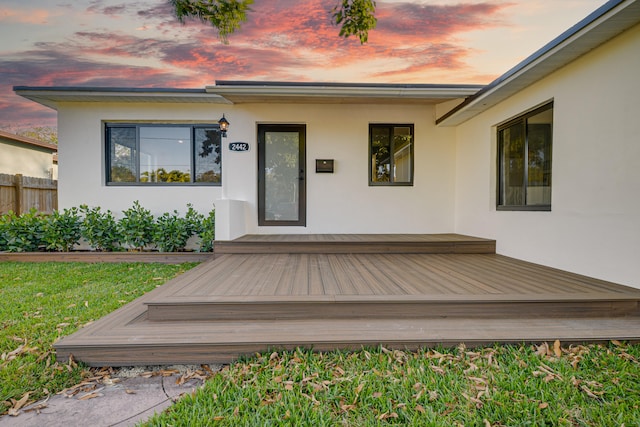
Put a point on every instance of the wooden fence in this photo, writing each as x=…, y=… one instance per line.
x=20, y=193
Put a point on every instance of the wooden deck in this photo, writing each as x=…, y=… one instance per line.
x=348, y=291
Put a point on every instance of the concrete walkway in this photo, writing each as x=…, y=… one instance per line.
x=122, y=402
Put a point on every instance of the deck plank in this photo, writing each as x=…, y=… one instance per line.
x=246, y=302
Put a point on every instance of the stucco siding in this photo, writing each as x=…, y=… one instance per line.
x=341, y=202
x=593, y=224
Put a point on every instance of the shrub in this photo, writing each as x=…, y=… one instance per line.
x=171, y=232
x=23, y=233
x=100, y=228
x=207, y=232
x=136, y=226
x=62, y=231
x=195, y=219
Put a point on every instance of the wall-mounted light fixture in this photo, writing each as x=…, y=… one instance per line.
x=224, y=126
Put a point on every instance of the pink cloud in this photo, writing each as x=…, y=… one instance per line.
x=282, y=40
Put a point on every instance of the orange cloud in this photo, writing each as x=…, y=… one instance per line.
x=24, y=16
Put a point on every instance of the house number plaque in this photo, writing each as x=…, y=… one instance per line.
x=239, y=146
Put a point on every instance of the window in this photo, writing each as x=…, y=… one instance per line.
x=524, y=161
x=163, y=154
x=391, y=154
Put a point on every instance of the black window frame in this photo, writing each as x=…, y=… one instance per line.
x=192, y=155
x=390, y=127
x=522, y=119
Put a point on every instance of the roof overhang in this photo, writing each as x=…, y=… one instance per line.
x=606, y=22
x=237, y=92
x=52, y=96
x=339, y=93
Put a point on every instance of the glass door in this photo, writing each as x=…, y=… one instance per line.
x=281, y=175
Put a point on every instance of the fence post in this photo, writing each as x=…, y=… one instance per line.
x=19, y=192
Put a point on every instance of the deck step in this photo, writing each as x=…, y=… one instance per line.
x=391, y=307
x=358, y=244
x=223, y=342
x=233, y=305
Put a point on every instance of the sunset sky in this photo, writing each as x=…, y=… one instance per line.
x=141, y=44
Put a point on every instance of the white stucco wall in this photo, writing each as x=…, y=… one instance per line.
x=16, y=158
x=594, y=225
x=341, y=202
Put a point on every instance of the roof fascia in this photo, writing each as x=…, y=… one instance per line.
x=52, y=96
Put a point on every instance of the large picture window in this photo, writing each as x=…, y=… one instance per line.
x=391, y=154
x=148, y=154
x=524, y=161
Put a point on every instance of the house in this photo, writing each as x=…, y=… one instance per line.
x=27, y=156
x=544, y=159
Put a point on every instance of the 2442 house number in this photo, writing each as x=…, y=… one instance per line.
x=239, y=146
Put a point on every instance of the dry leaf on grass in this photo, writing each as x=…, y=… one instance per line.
x=475, y=400
x=557, y=349
x=387, y=415
x=22, y=349
x=542, y=350
x=14, y=411
x=437, y=369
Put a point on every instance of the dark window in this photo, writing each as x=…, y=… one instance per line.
x=163, y=154
x=524, y=161
x=391, y=154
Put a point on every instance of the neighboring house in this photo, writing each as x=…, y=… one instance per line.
x=544, y=159
x=27, y=156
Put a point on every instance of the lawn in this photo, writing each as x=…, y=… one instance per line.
x=40, y=303
x=595, y=385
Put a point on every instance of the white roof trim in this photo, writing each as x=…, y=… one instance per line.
x=319, y=90
x=52, y=96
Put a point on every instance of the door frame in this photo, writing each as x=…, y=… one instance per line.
x=302, y=187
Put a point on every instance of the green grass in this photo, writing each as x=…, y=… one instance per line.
x=40, y=303
x=593, y=385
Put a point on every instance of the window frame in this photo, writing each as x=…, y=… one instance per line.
x=135, y=125
x=522, y=119
x=390, y=183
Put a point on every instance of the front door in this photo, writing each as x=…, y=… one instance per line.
x=281, y=175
